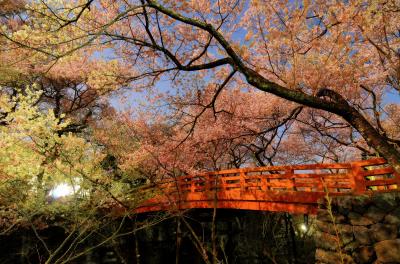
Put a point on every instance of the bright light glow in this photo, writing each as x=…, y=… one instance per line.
x=61, y=190
x=303, y=227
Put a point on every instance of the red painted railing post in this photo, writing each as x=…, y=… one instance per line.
x=242, y=181
x=192, y=185
x=357, y=179
x=290, y=175
x=264, y=181
x=321, y=185
x=207, y=185
x=397, y=177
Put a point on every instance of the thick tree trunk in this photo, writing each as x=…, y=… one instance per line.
x=374, y=138
x=337, y=105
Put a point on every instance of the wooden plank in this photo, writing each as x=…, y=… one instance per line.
x=337, y=180
x=230, y=178
x=381, y=182
x=230, y=185
x=284, y=168
x=275, y=176
x=369, y=162
x=321, y=175
x=305, y=184
x=338, y=185
x=380, y=171
x=256, y=179
x=279, y=184
x=252, y=185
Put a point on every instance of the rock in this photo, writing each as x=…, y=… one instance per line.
x=360, y=203
x=348, y=229
x=383, y=232
x=330, y=228
x=344, y=204
x=326, y=241
x=323, y=215
x=351, y=247
x=324, y=226
x=364, y=255
x=345, y=233
x=393, y=217
x=346, y=238
x=321, y=204
x=359, y=220
x=340, y=219
x=362, y=235
x=327, y=257
x=375, y=214
x=388, y=251
x=384, y=201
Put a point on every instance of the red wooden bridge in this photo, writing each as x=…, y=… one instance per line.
x=294, y=189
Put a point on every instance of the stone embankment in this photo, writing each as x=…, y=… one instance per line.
x=365, y=229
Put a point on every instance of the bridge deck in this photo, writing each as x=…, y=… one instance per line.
x=294, y=189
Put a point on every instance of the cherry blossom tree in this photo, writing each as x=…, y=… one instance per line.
x=76, y=86
x=338, y=58
x=52, y=180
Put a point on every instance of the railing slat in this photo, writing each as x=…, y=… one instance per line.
x=381, y=182
x=380, y=171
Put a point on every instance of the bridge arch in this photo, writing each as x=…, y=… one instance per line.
x=293, y=189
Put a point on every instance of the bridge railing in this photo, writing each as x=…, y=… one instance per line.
x=355, y=177
x=294, y=185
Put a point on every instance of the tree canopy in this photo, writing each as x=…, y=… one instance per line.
x=211, y=85
x=255, y=78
